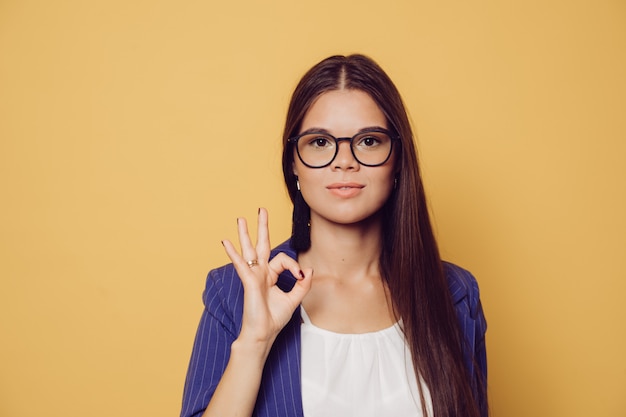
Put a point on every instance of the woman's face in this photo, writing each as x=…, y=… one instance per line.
x=344, y=192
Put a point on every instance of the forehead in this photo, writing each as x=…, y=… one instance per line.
x=343, y=112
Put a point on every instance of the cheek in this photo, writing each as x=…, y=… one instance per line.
x=389, y=189
x=389, y=178
x=382, y=186
x=387, y=185
x=310, y=194
x=309, y=179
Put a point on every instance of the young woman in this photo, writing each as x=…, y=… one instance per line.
x=356, y=314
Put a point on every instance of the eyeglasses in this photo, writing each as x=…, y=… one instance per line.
x=370, y=147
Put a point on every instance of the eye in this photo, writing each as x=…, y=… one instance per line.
x=317, y=141
x=321, y=142
x=369, y=141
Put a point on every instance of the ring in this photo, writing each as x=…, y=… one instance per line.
x=252, y=263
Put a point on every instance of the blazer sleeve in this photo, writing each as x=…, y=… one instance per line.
x=219, y=326
x=466, y=296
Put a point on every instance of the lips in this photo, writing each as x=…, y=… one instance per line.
x=345, y=189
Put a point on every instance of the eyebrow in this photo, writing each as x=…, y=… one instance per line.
x=327, y=132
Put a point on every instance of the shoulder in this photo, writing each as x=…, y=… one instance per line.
x=223, y=283
x=463, y=289
x=466, y=297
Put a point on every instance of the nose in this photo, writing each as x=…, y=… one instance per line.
x=344, y=158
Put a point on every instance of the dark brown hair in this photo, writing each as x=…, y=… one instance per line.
x=410, y=261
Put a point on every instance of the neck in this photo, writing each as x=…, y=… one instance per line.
x=344, y=251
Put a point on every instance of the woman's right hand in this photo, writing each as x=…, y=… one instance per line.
x=266, y=308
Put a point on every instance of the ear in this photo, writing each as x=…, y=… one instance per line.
x=294, y=170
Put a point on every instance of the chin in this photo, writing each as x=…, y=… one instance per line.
x=354, y=218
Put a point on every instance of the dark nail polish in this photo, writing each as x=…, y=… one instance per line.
x=222, y=242
x=301, y=274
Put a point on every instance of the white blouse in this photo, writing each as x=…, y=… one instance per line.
x=360, y=375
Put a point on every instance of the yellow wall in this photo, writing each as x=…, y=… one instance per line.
x=133, y=133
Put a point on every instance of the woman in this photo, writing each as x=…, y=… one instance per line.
x=356, y=314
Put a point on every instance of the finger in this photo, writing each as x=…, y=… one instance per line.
x=282, y=262
x=302, y=287
x=247, y=250
x=238, y=261
x=232, y=253
x=263, y=246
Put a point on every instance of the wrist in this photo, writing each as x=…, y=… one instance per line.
x=252, y=349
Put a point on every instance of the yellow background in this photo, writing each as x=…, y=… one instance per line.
x=134, y=132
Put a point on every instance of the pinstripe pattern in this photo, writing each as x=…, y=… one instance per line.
x=280, y=392
x=466, y=296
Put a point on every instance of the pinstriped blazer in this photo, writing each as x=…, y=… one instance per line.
x=280, y=392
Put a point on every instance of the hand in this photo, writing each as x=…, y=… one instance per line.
x=266, y=308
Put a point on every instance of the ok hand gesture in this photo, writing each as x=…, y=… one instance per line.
x=266, y=308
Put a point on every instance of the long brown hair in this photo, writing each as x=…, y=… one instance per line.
x=410, y=261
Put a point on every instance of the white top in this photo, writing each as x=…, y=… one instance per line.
x=360, y=375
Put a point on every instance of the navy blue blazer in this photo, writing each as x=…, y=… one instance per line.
x=280, y=393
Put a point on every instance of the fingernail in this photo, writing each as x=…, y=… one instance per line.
x=301, y=274
x=222, y=242
x=259, y=212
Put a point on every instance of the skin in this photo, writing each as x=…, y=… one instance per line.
x=347, y=294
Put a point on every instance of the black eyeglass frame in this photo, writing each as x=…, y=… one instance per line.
x=393, y=137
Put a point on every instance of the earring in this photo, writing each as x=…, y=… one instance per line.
x=298, y=184
x=395, y=183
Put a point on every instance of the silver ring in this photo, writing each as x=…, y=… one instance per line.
x=253, y=263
